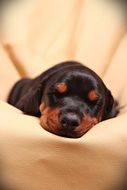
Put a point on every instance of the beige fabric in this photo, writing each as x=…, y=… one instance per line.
x=35, y=159
x=37, y=34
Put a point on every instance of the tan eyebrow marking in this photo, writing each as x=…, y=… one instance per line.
x=93, y=95
x=61, y=87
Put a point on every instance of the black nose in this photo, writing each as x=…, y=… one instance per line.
x=69, y=121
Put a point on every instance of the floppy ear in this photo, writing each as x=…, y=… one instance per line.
x=30, y=101
x=111, y=109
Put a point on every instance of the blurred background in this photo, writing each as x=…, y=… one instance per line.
x=53, y=31
x=37, y=34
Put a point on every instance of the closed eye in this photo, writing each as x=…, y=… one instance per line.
x=92, y=103
x=60, y=95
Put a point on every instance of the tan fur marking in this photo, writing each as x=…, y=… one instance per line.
x=92, y=95
x=61, y=87
x=86, y=124
x=49, y=120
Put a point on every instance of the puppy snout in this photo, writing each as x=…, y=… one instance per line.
x=69, y=121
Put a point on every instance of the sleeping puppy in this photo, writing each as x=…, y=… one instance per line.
x=69, y=98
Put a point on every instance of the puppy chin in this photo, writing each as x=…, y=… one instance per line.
x=51, y=124
x=57, y=130
x=70, y=134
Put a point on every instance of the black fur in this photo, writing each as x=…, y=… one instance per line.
x=28, y=94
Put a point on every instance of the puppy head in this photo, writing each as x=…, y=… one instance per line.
x=74, y=100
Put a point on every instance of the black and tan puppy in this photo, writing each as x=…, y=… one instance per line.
x=69, y=98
